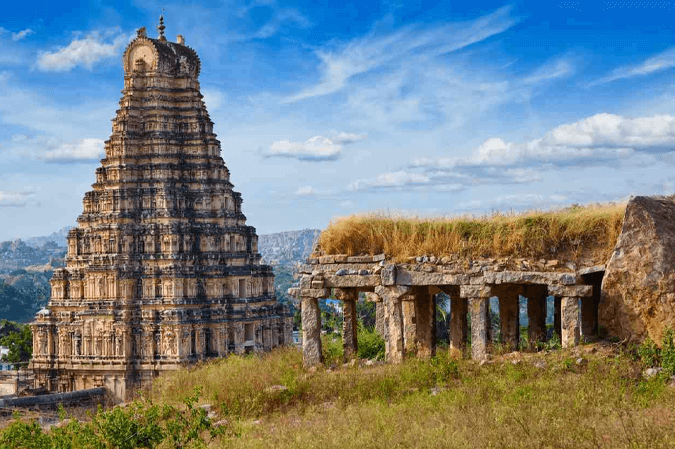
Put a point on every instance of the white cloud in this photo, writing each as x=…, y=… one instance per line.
x=306, y=191
x=347, y=138
x=86, y=52
x=394, y=180
x=22, y=34
x=14, y=199
x=556, y=69
x=615, y=131
x=519, y=200
x=315, y=149
x=213, y=98
x=84, y=150
x=662, y=61
x=602, y=139
x=368, y=53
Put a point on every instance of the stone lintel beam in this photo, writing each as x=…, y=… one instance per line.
x=313, y=292
x=475, y=291
x=393, y=320
x=407, y=277
x=311, y=328
x=591, y=270
x=352, y=280
x=349, y=324
x=529, y=277
x=480, y=322
x=569, y=321
x=581, y=291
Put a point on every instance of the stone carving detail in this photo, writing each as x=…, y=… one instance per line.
x=160, y=242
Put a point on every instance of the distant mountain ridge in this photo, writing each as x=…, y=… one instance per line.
x=58, y=237
x=287, y=247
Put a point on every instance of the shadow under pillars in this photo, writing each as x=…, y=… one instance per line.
x=459, y=325
x=509, y=315
x=536, y=312
x=311, y=328
x=589, y=306
x=557, y=324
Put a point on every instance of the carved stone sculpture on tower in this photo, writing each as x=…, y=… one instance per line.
x=160, y=269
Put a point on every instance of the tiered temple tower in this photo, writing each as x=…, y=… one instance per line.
x=161, y=270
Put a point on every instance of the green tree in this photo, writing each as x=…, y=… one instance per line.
x=20, y=345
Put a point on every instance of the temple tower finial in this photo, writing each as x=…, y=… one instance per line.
x=161, y=28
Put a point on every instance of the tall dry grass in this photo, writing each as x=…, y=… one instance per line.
x=601, y=402
x=590, y=230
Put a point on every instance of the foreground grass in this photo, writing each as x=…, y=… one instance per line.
x=590, y=231
x=602, y=402
x=556, y=400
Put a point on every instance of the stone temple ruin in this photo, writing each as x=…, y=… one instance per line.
x=631, y=295
x=161, y=270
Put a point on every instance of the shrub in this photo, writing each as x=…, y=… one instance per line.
x=371, y=343
x=668, y=352
x=649, y=353
x=333, y=351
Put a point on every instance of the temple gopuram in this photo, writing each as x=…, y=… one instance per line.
x=162, y=270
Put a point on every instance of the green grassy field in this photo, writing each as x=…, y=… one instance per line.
x=591, y=397
x=603, y=401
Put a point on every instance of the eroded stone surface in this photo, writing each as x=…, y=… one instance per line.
x=638, y=289
x=569, y=318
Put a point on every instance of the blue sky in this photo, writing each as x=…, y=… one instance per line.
x=426, y=108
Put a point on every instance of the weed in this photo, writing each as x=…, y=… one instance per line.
x=569, y=231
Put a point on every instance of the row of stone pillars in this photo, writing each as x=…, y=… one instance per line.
x=408, y=320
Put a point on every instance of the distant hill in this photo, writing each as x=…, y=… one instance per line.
x=287, y=247
x=58, y=237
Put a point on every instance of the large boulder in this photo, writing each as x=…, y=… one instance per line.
x=638, y=289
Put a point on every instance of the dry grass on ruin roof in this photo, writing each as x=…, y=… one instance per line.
x=588, y=231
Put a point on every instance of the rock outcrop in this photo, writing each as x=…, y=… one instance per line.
x=638, y=289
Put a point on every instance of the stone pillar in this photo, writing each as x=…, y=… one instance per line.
x=589, y=318
x=570, y=324
x=393, y=321
x=556, y=316
x=536, y=313
x=480, y=323
x=425, y=326
x=350, y=323
x=379, y=318
x=311, y=329
x=459, y=325
x=509, y=315
x=409, y=324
